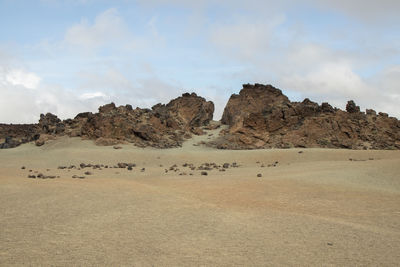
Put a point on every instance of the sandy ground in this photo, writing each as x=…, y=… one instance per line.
x=313, y=208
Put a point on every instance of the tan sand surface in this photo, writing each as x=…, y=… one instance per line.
x=314, y=208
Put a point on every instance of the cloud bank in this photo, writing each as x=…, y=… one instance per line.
x=145, y=52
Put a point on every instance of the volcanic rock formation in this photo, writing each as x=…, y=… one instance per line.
x=163, y=126
x=262, y=117
x=12, y=135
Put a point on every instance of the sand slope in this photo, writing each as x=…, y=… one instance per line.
x=313, y=208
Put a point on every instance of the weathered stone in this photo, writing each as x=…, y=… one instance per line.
x=262, y=117
x=351, y=107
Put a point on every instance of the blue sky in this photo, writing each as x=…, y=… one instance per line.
x=65, y=56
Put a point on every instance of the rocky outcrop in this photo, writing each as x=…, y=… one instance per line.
x=163, y=126
x=13, y=135
x=51, y=124
x=251, y=100
x=191, y=110
x=262, y=117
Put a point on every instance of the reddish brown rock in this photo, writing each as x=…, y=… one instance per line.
x=251, y=99
x=163, y=126
x=262, y=117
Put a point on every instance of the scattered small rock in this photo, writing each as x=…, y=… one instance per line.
x=259, y=175
x=204, y=173
x=117, y=147
x=88, y=173
x=32, y=176
x=122, y=165
x=23, y=167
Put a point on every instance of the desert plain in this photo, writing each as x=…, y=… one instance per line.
x=321, y=207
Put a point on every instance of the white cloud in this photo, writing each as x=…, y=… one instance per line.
x=367, y=10
x=69, y=2
x=20, y=77
x=332, y=82
x=255, y=41
x=92, y=95
x=21, y=104
x=245, y=39
x=114, y=86
x=313, y=70
x=107, y=28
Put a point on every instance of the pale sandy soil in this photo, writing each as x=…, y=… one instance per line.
x=314, y=208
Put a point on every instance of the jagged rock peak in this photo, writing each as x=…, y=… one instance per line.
x=351, y=107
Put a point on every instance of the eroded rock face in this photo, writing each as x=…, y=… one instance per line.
x=163, y=126
x=262, y=117
x=251, y=99
x=191, y=110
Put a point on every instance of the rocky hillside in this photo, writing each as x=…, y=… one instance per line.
x=163, y=126
x=260, y=116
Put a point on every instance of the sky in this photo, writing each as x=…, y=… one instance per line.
x=66, y=57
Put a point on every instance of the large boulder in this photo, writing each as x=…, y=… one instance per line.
x=252, y=99
x=191, y=110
